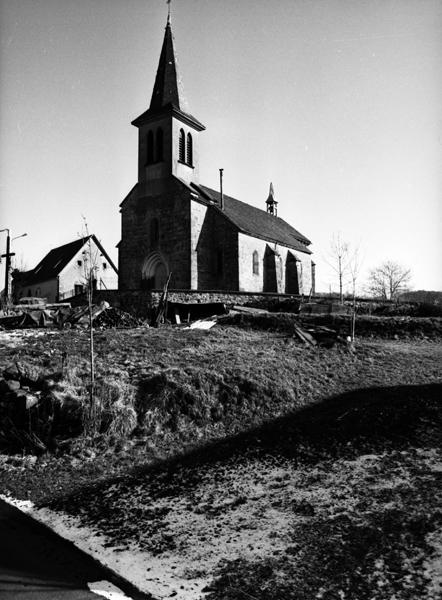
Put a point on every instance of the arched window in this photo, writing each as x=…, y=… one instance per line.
x=159, y=141
x=255, y=261
x=154, y=233
x=149, y=157
x=189, y=150
x=182, y=147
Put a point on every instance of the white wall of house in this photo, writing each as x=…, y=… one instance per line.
x=75, y=273
x=72, y=279
x=254, y=282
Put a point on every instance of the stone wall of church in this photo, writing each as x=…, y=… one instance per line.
x=255, y=282
x=198, y=216
x=171, y=209
x=217, y=253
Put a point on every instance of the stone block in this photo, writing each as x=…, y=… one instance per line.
x=24, y=400
x=12, y=372
x=8, y=385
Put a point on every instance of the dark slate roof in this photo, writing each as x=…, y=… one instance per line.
x=256, y=222
x=167, y=95
x=56, y=260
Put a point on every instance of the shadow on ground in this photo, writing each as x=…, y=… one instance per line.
x=376, y=551
x=345, y=426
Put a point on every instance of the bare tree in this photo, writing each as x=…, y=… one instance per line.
x=354, y=267
x=388, y=280
x=339, y=260
x=90, y=265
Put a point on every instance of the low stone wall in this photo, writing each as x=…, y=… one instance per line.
x=141, y=302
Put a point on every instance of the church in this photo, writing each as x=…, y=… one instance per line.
x=173, y=225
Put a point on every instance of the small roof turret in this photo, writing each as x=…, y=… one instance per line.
x=272, y=205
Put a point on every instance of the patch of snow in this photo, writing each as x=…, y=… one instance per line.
x=201, y=325
x=107, y=590
x=155, y=576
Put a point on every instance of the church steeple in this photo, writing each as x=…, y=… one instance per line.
x=168, y=134
x=168, y=95
x=167, y=88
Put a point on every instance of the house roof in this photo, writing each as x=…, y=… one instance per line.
x=57, y=259
x=256, y=222
x=167, y=94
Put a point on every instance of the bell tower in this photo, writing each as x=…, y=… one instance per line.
x=168, y=134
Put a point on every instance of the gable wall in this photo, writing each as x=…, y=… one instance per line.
x=172, y=209
x=74, y=274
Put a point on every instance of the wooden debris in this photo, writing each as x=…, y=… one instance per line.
x=304, y=336
x=202, y=324
x=162, y=306
x=249, y=309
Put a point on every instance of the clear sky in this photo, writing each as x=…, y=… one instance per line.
x=337, y=102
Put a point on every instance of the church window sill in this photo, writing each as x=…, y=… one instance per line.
x=181, y=162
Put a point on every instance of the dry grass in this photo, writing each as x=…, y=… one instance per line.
x=280, y=471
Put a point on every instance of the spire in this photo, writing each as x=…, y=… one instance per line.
x=167, y=89
x=271, y=202
x=167, y=95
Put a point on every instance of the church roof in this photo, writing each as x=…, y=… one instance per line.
x=56, y=260
x=256, y=222
x=168, y=95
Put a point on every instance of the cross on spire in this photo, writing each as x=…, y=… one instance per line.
x=168, y=10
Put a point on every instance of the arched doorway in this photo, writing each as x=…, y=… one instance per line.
x=154, y=271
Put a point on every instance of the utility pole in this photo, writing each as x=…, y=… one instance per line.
x=8, y=255
x=8, y=263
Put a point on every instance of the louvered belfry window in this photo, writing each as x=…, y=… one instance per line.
x=182, y=147
x=189, y=150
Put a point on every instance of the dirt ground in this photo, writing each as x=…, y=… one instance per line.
x=262, y=467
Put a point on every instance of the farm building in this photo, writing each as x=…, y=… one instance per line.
x=64, y=272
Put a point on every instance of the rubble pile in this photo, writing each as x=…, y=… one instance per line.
x=114, y=317
x=22, y=388
x=309, y=333
x=61, y=317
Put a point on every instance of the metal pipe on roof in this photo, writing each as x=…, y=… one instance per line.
x=221, y=189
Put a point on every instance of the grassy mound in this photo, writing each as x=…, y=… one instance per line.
x=183, y=401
